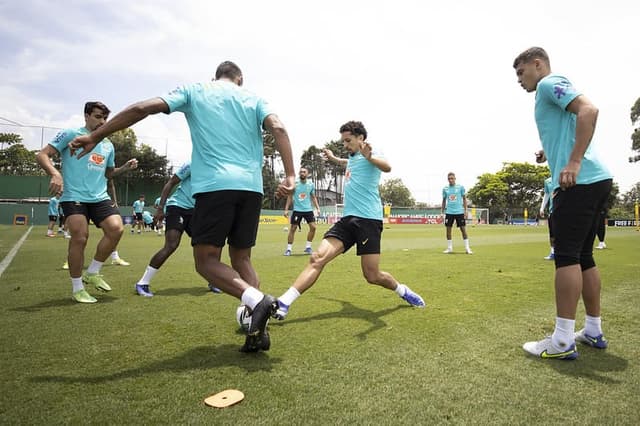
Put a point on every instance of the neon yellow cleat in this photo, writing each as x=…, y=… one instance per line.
x=96, y=280
x=65, y=265
x=81, y=296
x=120, y=262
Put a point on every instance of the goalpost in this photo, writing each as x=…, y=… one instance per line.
x=477, y=216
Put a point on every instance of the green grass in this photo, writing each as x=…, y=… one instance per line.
x=348, y=353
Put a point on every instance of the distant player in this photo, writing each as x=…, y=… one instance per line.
x=361, y=224
x=602, y=228
x=547, y=200
x=156, y=222
x=138, y=209
x=53, y=214
x=302, y=197
x=454, y=209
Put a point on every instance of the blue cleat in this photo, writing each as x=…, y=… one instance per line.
x=413, y=299
x=287, y=253
x=281, y=312
x=308, y=250
x=598, y=342
x=143, y=290
x=214, y=289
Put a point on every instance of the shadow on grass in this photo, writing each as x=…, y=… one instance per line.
x=67, y=301
x=200, y=358
x=350, y=311
x=592, y=364
x=191, y=291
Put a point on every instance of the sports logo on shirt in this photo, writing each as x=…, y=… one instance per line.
x=560, y=89
x=96, y=159
x=453, y=197
x=302, y=196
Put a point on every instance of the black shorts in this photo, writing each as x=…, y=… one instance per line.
x=226, y=216
x=179, y=219
x=138, y=216
x=53, y=218
x=365, y=233
x=458, y=218
x=96, y=212
x=576, y=215
x=296, y=217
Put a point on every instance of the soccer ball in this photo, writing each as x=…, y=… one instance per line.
x=243, y=317
x=285, y=229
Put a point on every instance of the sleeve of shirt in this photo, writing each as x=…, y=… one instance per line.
x=184, y=171
x=62, y=139
x=263, y=110
x=177, y=99
x=558, y=90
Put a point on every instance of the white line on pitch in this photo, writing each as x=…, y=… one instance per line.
x=9, y=257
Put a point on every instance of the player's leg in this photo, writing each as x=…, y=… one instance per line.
x=311, y=221
x=448, y=223
x=461, y=223
x=294, y=223
x=51, y=226
x=78, y=225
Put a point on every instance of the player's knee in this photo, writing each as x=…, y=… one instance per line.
x=587, y=262
x=371, y=276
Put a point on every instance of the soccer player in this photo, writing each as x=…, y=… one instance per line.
x=302, y=196
x=361, y=224
x=547, y=200
x=157, y=223
x=602, y=228
x=138, y=209
x=62, y=223
x=566, y=122
x=53, y=214
x=83, y=184
x=226, y=123
x=454, y=209
x=178, y=211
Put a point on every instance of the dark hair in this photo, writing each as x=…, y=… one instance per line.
x=229, y=70
x=355, y=127
x=529, y=55
x=90, y=106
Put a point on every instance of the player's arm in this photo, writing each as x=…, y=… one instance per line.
x=112, y=172
x=111, y=190
x=287, y=204
x=381, y=163
x=464, y=204
x=274, y=126
x=167, y=189
x=545, y=200
x=315, y=202
x=586, y=119
x=44, y=160
x=331, y=157
x=124, y=119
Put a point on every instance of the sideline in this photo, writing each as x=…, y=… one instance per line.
x=9, y=257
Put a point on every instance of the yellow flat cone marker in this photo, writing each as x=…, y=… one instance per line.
x=224, y=399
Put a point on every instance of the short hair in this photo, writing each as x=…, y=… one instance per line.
x=229, y=70
x=529, y=55
x=90, y=106
x=355, y=127
x=451, y=174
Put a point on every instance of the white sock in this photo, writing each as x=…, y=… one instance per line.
x=76, y=284
x=401, y=289
x=114, y=255
x=552, y=250
x=251, y=297
x=94, y=267
x=289, y=296
x=466, y=243
x=592, y=326
x=148, y=275
x=450, y=244
x=289, y=246
x=563, y=336
x=308, y=244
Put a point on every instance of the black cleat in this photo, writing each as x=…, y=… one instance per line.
x=257, y=335
x=256, y=343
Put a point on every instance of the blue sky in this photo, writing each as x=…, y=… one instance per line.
x=433, y=83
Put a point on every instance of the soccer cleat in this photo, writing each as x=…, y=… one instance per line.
x=119, y=261
x=51, y=235
x=601, y=245
x=308, y=250
x=413, y=299
x=67, y=235
x=468, y=250
x=81, y=296
x=214, y=289
x=598, y=342
x=282, y=311
x=447, y=251
x=96, y=280
x=257, y=335
x=287, y=253
x=545, y=349
x=65, y=265
x=143, y=290
x=550, y=257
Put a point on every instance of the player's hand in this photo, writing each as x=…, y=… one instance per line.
x=569, y=174
x=540, y=157
x=159, y=215
x=365, y=150
x=328, y=154
x=286, y=213
x=85, y=142
x=131, y=164
x=541, y=214
x=56, y=184
x=286, y=187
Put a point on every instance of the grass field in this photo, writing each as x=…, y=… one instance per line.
x=348, y=353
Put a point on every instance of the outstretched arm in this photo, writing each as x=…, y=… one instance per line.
x=124, y=119
x=273, y=124
x=44, y=160
x=381, y=163
x=164, y=195
x=330, y=157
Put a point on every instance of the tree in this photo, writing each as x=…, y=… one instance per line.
x=151, y=165
x=635, y=136
x=16, y=160
x=269, y=175
x=516, y=187
x=394, y=192
x=9, y=139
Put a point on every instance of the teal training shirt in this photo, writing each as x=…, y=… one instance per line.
x=361, y=194
x=302, y=196
x=84, y=179
x=557, y=130
x=548, y=189
x=53, y=206
x=225, y=122
x=182, y=196
x=453, y=194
